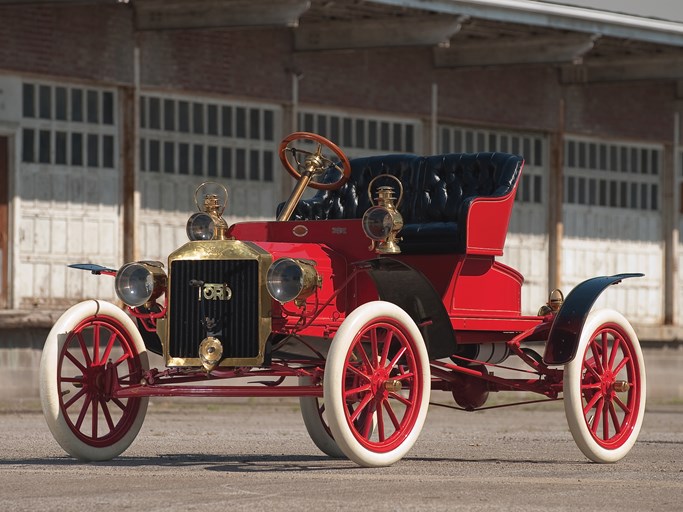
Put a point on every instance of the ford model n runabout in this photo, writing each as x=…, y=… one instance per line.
x=362, y=300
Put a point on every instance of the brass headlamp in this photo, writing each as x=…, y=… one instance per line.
x=140, y=283
x=292, y=279
x=208, y=223
x=382, y=222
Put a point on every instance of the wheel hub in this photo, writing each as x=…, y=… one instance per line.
x=610, y=385
x=96, y=382
x=621, y=386
x=393, y=386
x=380, y=379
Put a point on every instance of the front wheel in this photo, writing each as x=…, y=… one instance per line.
x=377, y=384
x=604, y=388
x=92, y=349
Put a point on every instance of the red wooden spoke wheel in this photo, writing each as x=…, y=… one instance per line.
x=377, y=384
x=93, y=349
x=320, y=162
x=604, y=388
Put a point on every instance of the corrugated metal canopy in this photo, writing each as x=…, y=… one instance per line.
x=557, y=16
x=592, y=44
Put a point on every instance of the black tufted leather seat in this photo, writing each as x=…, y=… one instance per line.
x=438, y=193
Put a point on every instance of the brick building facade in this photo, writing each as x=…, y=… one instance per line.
x=109, y=127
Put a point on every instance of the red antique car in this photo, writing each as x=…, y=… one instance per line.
x=363, y=301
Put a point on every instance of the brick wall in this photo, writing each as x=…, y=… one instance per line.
x=96, y=43
x=249, y=63
x=90, y=43
x=634, y=110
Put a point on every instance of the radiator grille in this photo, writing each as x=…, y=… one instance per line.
x=236, y=320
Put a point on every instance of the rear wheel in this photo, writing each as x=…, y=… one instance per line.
x=377, y=384
x=92, y=348
x=604, y=388
x=314, y=415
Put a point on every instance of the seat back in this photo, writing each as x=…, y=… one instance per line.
x=437, y=194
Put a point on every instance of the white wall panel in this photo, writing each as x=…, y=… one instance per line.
x=613, y=223
x=186, y=141
x=69, y=189
x=528, y=254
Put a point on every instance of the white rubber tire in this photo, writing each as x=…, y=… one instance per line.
x=617, y=442
x=397, y=444
x=315, y=423
x=51, y=393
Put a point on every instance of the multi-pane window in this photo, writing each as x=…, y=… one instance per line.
x=362, y=136
x=207, y=138
x=68, y=126
x=612, y=175
x=454, y=139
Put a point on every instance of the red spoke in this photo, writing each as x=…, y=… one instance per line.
x=362, y=405
x=72, y=380
x=591, y=386
x=404, y=376
x=593, y=371
x=373, y=342
x=624, y=407
x=363, y=356
x=595, y=350
x=96, y=344
x=621, y=365
x=615, y=351
x=392, y=415
x=110, y=346
x=354, y=391
x=95, y=419
x=107, y=415
x=605, y=350
x=385, y=348
x=84, y=411
x=119, y=403
x=75, y=398
x=615, y=419
x=121, y=359
x=367, y=424
x=380, y=424
x=605, y=419
x=398, y=356
x=596, y=419
x=401, y=399
x=591, y=404
x=75, y=361
x=84, y=348
x=358, y=372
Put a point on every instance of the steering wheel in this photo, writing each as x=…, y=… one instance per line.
x=309, y=164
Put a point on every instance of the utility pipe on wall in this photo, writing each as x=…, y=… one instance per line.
x=434, y=120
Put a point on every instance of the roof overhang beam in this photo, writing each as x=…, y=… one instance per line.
x=569, y=48
x=558, y=16
x=377, y=33
x=631, y=69
x=181, y=14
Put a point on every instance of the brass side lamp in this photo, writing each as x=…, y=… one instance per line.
x=208, y=222
x=382, y=221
